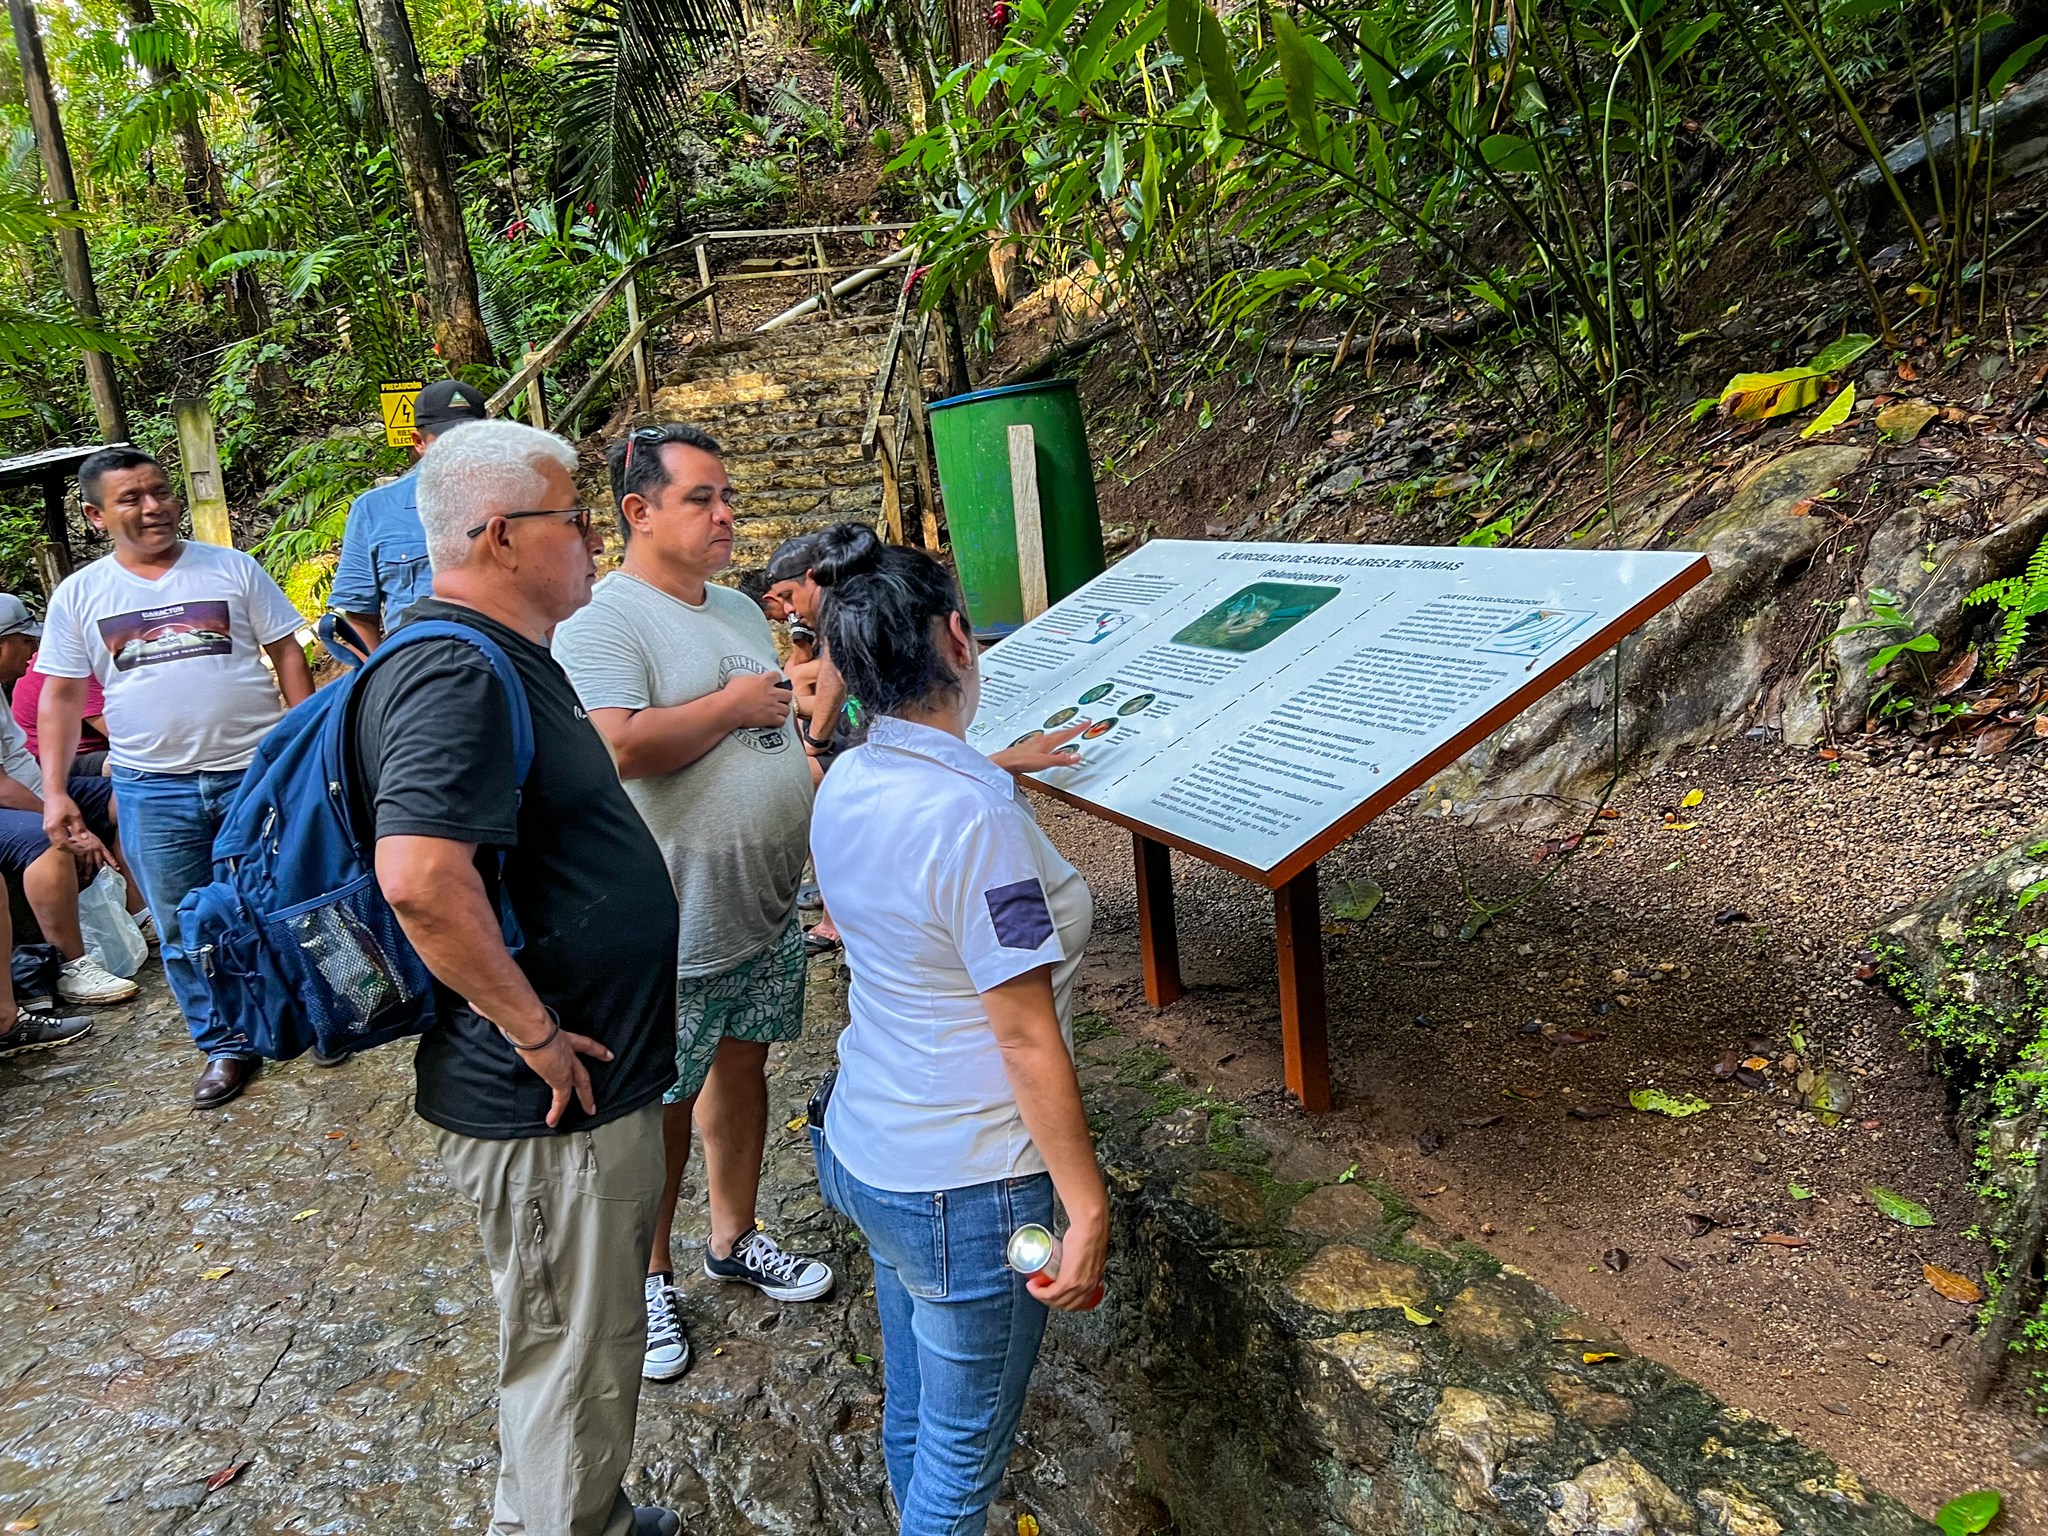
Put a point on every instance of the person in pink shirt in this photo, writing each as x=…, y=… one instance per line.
x=91, y=761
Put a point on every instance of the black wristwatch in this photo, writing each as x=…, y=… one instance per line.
x=812, y=741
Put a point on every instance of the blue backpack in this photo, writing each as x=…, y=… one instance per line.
x=294, y=939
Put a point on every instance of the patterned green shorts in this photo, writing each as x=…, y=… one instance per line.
x=761, y=1000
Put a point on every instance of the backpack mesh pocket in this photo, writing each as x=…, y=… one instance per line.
x=358, y=967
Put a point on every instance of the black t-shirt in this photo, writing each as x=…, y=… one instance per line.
x=433, y=756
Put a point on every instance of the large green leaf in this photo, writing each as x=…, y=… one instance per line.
x=1298, y=71
x=1969, y=1513
x=1909, y=1213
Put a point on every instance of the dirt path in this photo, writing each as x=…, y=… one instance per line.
x=1442, y=1091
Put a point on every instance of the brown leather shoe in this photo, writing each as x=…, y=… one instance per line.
x=222, y=1080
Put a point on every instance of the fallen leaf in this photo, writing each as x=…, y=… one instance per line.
x=1480, y=1122
x=1354, y=900
x=1957, y=673
x=1957, y=1288
x=1589, y=1112
x=1782, y=1240
x=796, y=1123
x=1908, y=1213
x=1969, y=1513
x=336, y=1135
x=1836, y=412
x=1907, y=373
x=1677, y=1106
x=1996, y=739
x=1829, y=1095
x=1756, y=396
x=28, y=1524
x=1559, y=1034
x=1729, y=915
x=219, y=1273
x=1429, y=1141
x=1681, y=1265
x=1692, y=798
x=1679, y=826
x=1906, y=420
x=1615, y=1259
x=1727, y=1066
x=1798, y=1191
x=1419, y=1319
x=1609, y=813
x=1524, y=1093
x=1027, y=1525
x=1755, y=1063
x=224, y=1476
x=308, y=1212
x=1595, y=1356
x=1699, y=1224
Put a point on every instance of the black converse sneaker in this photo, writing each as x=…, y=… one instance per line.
x=668, y=1347
x=758, y=1260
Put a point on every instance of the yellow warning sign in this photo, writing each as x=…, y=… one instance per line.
x=396, y=399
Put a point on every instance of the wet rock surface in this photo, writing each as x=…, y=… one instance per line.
x=289, y=1283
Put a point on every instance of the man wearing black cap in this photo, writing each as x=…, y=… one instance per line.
x=383, y=568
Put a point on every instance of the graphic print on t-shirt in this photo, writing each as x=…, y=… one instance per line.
x=771, y=738
x=173, y=632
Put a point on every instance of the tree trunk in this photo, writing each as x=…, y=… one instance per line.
x=206, y=199
x=437, y=211
x=63, y=193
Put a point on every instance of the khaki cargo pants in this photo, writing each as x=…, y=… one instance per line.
x=567, y=1222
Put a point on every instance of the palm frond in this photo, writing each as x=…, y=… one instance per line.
x=622, y=90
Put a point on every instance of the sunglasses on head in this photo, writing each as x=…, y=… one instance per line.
x=633, y=438
x=581, y=517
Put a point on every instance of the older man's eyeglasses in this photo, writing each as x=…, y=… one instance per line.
x=581, y=517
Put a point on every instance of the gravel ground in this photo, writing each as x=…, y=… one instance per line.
x=1443, y=1090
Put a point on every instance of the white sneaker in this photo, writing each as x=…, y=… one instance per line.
x=668, y=1348
x=85, y=980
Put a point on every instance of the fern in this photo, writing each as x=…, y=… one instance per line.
x=2021, y=599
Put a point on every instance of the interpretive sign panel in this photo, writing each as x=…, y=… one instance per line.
x=1255, y=703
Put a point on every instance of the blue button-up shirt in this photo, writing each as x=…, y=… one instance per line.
x=383, y=567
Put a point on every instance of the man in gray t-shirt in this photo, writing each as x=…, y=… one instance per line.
x=680, y=678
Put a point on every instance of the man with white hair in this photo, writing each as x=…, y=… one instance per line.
x=544, y=1075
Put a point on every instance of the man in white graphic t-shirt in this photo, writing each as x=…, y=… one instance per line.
x=175, y=633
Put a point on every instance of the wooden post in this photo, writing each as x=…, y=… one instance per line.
x=53, y=553
x=824, y=278
x=1030, y=534
x=199, y=453
x=1304, y=1032
x=1158, y=942
x=704, y=281
x=536, y=395
x=892, y=495
x=641, y=387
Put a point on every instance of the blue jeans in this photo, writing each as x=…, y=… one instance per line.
x=168, y=822
x=959, y=1335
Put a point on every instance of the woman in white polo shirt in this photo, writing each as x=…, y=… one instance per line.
x=956, y=1115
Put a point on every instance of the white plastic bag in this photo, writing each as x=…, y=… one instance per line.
x=111, y=935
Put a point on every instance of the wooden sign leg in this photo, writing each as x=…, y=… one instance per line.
x=1298, y=936
x=1158, y=943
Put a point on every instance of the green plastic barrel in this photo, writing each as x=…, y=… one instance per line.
x=971, y=436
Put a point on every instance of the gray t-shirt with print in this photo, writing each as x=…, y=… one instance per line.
x=734, y=825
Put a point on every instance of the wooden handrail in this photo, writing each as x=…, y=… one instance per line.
x=803, y=232
x=625, y=348
x=886, y=372
x=537, y=362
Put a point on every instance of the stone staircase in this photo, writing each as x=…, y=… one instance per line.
x=788, y=407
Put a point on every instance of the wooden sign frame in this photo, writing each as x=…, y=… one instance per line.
x=1297, y=920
